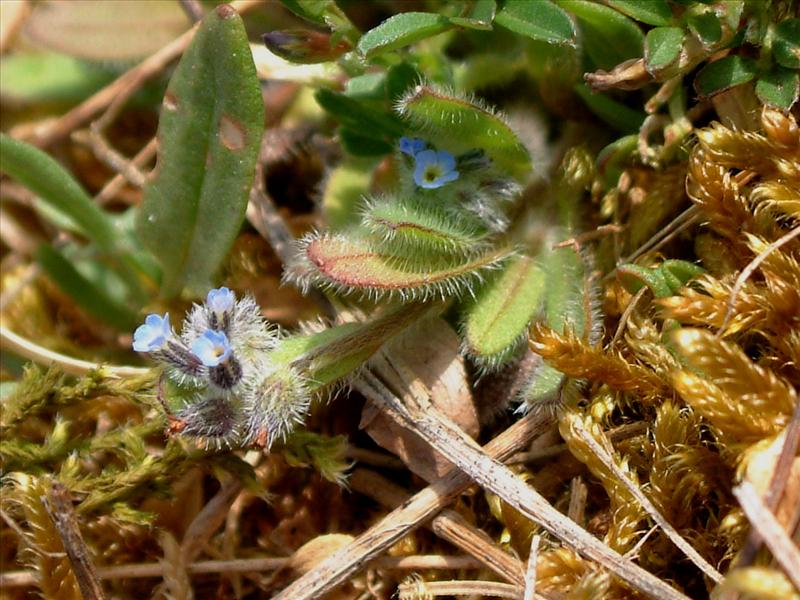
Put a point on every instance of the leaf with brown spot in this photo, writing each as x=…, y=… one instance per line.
x=209, y=137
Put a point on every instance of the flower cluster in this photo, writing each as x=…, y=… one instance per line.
x=432, y=168
x=219, y=364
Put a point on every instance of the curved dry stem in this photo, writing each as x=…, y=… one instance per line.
x=74, y=366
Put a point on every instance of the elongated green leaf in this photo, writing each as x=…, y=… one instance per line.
x=609, y=37
x=635, y=277
x=724, y=74
x=210, y=134
x=52, y=183
x=349, y=266
x=496, y=323
x=402, y=30
x=360, y=116
x=616, y=114
x=662, y=47
x=26, y=78
x=652, y=12
x=466, y=126
x=541, y=20
x=779, y=87
x=786, y=45
x=416, y=228
x=88, y=296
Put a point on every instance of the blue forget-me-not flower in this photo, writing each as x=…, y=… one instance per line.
x=153, y=335
x=412, y=146
x=434, y=169
x=212, y=348
x=220, y=300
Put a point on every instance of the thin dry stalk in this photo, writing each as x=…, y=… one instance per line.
x=774, y=536
x=637, y=493
x=208, y=520
x=419, y=415
x=530, y=573
x=27, y=577
x=398, y=523
x=578, y=493
x=38, y=354
x=139, y=160
x=449, y=525
x=59, y=506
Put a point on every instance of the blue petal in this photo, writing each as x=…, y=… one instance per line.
x=153, y=334
x=220, y=300
x=212, y=348
x=446, y=159
x=411, y=146
x=448, y=177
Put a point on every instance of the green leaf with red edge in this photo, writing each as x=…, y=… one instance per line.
x=355, y=265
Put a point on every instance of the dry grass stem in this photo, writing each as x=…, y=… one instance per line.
x=398, y=523
x=27, y=349
x=775, y=537
x=603, y=455
x=530, y=572
x=27, y=578
x=418, y=415
x=416, y=589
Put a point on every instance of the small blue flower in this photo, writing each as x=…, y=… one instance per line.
x=212, y=348
x=220, y=300
x=153, y=334
x=434, y=169
x=412, y=146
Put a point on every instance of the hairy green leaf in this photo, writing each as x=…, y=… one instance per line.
x=724, y=74
x=609, y=37
x=323, y=12
x=210, y=134
x=465, y=125
x=410, y=226
x=542, y=21
x=496, y=323
x=652, y=12
x=662, y=47
x=333, y=353
x=402, y=30
x=347, y=266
